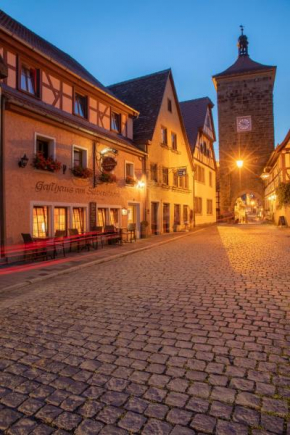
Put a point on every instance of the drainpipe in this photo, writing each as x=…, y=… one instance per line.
x=193, y=192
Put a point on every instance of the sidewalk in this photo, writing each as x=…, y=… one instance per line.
x=20, y=276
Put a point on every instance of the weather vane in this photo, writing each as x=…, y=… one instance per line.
x=242, y=29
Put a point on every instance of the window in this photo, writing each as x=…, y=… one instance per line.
x=60, y=219
x=153, y=172
x=175, y=179
x=199, y=174
x=210, y=178
x=198, y=205
x=114, y=217
x=181, y=181
x=79, y=219
x=186, y=181
x=79, y=157
x=116, y=122
x=164, y=136
x=40, y=221
x=129, y=170
x=80, y=106
x=169, y=105
x=42, y=147
x=29, y=80
x=209, y=206
x=176, y=214
x=174, y=141
x=102, y=219
x=165, y=176
x=185, y=214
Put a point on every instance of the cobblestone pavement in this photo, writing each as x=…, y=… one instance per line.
x=187, y=338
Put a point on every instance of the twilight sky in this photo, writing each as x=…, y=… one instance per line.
x=119, y=40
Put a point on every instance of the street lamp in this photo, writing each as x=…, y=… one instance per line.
x=240, y=163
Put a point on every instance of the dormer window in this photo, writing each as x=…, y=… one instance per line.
x=80, y=106
x=29, y=80
x=116, y=122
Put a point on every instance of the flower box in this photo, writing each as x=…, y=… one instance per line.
x=80, y=172
x=130, y=180
x=107, y=178
x=46, y=164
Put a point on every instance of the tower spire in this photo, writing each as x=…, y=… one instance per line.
x=243, y=43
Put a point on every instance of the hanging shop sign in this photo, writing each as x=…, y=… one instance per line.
x=109, y=164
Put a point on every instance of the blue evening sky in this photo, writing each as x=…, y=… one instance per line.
x=118, y=40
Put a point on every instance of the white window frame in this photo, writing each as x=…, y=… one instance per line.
x=130, y=163
x=45, y=137
x=85, y=155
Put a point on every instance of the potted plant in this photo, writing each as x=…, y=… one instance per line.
x=46, y=164
x=107, y=178
x=79, y=171
x=144, y=225
x=130, y=180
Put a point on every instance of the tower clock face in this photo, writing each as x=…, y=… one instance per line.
x=244, y=123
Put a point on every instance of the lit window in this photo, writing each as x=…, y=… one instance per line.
x=79, y=219
x=102, y=221
x=173, y=141
x=164, y=136
x=169, y=105
x=60, y=219
x=165, y=176
x=116, y=122
x=114, y=217
x=29, y=80
x=80, y=106
x=40, y=221
x=153, y=172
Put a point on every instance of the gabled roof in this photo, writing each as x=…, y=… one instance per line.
x=244, y=64
x=144, y=94
x=194, y=115
x=21, y=32
x=275, y=154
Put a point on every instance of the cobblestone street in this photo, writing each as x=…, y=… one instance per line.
x=186, y=338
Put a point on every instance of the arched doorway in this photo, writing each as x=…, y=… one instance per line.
x=248, y=208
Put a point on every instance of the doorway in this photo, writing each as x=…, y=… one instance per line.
x=166, y=218
x=154, y=217
x=134, y=216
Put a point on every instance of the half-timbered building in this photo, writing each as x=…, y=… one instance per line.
x=160, y=131
x=276, y=175
x=198, y=120
x=67, y=154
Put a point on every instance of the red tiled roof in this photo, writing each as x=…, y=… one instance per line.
x=244, y=64
x=48, y=49
x=194, y=114
x=145, y=94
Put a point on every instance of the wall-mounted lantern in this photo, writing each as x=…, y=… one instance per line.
x=124, y=211
x=23, y=161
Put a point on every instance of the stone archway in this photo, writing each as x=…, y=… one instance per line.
x=248, y=207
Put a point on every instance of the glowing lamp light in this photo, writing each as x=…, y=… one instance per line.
x=265, y=175
x=240, y=163
x=140, y=184
x=124, y=211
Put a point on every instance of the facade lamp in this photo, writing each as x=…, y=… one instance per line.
x=265, y=175
x=140, y=184
x=23, y=161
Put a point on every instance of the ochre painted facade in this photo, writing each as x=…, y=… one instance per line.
x=169, y=205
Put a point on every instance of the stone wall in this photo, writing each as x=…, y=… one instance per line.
x=244, y=95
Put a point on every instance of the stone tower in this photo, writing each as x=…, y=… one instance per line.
x=246, y=125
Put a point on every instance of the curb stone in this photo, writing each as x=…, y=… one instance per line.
x=94, y=262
